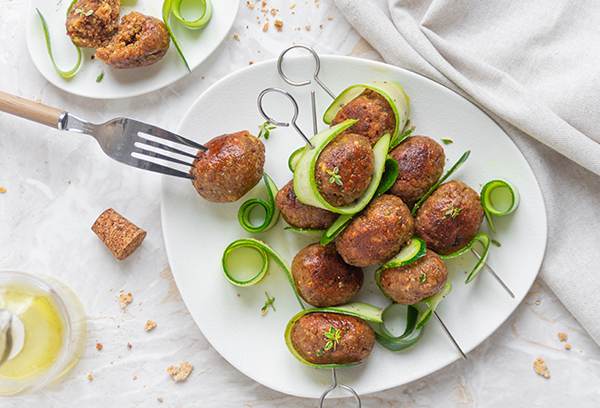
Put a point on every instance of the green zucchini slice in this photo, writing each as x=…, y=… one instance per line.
x=411, y=334
x=510, y=196
x=271, y=211
x=485, y=241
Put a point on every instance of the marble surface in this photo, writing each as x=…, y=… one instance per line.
x=58, y=183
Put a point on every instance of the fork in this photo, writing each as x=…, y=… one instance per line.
x=122, y=139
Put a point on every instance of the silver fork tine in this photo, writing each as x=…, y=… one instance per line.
x=160, y=156
x=166, y=148
x=163, y=134
x=159, y=168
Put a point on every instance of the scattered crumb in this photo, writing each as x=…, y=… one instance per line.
x=237, y=37
x=129, y=346
x=149, y=325
x=329, y=17
x=562, y=336
x=293, y=5
x=537, y=302
x=160, y=399
x=278, y=25
x=99, y=346
x=250, y=6
x=38, y=100
x=264, y=3
x=317, y=5
x=307, y=28
x=110, y=290
x=135, y=377
x=568, y=346
x=264, y=10
x=266, y=26
x=2, y=190
x=90, y=377
x=541, y=368
x=121, y=291
x=180, y=372
x=273, y=12
x=250, y=63
x=125, y=299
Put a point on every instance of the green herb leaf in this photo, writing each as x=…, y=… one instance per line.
x=335, y=177
x=320, y=352
x=447, y=141
x=334, y=337
x=268, y=303
x=422, y=278
x=265, y=129
x=82, y=12
x=100, y=77
x=451, y=211
x=496, y=243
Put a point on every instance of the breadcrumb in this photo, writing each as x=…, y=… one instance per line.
x=266, y=27
x=99, y=346
x=278, y=25
x=568, y=346
x=90, y=377
x=2, y=190
x=135, y=377
x=250, y=6
x=160, y=399
x=129, y=346
x=273, y=12
x=329, y=17
x=125, y=299
x=180, y=372
x=307, y=28
x=541, y=368
x=149, y=325
x=562, y=336
x=237, y=37
x=293, y=5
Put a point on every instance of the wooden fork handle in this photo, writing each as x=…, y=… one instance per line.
x=27, y=109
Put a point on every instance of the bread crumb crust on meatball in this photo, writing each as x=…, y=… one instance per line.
x=377, y=233
x=376, y=116
x=356, y=338
x=344, y=169
x=450, y=218
x=300, y=215
x=140, y=41
x=92, y=23
x=231, y=166
x=322, y=278
x=420, y=165
x=409, y=284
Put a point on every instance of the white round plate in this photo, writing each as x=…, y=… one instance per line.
x=197, y=45
x=196, y=231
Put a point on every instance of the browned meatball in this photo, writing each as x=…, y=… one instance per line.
x=420, y=165
x=231, y=166
x=141, y=41
x=409, y=284
x=322, y=278
x=449, y=219
x=92, y=23
x=376, y=116
x=344, y=169
x=300, y=215
x=354, y=342
x=376, y=233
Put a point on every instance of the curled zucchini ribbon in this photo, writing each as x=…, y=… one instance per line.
x=459, y=163
x=357, y=309
x=486, y=199
x=271, y=211
x=174, y=7
x=64, y=74
x=264, y=250
x=485, y=241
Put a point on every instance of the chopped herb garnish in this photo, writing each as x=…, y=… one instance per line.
x=498, y=244
x=320, y=352
x=82, y=12
x=268, y=303
x=447, y=141
x=100, y=77
x=335, y=177
x=265, y=129
x=422, y=278
x=334, y=338
x=451, y=211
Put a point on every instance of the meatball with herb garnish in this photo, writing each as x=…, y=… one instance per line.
x=376, y=116
x=140, y=41
x=300, y=215
x=92, y=23
x=409, y=284
x=322, y=278
x=332, y=338
x=344, y=169
x=231, y=166
x=420, y=165
x=376, y=233
x=449, y=219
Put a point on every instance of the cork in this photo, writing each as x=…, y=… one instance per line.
x=121, y=236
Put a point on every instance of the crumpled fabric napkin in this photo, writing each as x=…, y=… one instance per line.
x=534, y=67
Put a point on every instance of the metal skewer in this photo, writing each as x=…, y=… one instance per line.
x=495, y=275
x=317, y=69
x=284, y=124
x=464, y=356
x=334, y=386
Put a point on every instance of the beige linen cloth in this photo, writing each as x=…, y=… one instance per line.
x=534, y=67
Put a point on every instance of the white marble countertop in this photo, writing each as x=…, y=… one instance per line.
x=57, y=184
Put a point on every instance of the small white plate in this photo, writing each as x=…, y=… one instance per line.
x=196, y=232
x=197, y=45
